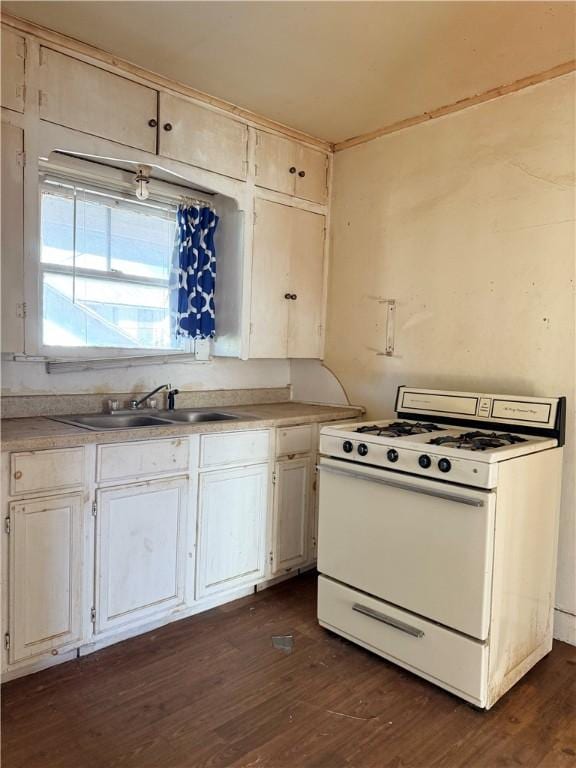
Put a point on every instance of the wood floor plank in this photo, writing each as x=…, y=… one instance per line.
x=211, y=691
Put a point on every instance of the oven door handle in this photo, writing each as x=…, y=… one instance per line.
x=468, y=500
x=389, y=620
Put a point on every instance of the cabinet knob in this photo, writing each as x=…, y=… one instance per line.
x=301, y=174
x=167, y=126
x=292, y=169
x=287, y=296
x=152, y=123
x=54, y=651
x=293, y=297
x=17, y=474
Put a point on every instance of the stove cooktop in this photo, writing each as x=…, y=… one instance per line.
x=399, y=429
x=477, y=441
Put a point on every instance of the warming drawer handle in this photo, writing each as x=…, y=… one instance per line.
x=468, y=500
x=389, y=620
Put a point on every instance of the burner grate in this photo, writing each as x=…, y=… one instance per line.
x=477, y=441
x=399, y=429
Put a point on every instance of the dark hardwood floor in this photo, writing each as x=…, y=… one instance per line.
x=211, y=691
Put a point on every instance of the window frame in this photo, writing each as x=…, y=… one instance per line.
x=168, y=197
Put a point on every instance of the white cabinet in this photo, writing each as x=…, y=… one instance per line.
x=45, y=576
x=13, y=56
x=192, y=134
x=286, y=166
x=292, y=506
x=12, y=232
x=232, y=506
x=287, y=282
x=92, y=100
x=141, y=551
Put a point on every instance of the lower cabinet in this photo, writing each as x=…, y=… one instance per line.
x=232, y=506
x=45, y=576
x=140, y=551
x=292, y=510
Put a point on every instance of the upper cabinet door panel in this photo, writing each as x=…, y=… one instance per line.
x=12, y=242
x=286, y=166
x=306, y=284
x=270, y=280
x=202, y=137
x=311, y=175
x=92, y=100
x=13, y=55
x=275, y=163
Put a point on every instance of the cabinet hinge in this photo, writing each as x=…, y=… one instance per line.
x=94, y=509
x=42, y=99
x=251, y=328
x=21, y=310
x=271, y=558
x=255, y=169
x=21, y=159
x=273, y=478
x=7, y=525
x=320, y=327
x=7, y=641
x=255, y=217
x=93, y=615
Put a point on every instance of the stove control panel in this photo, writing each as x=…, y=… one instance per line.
x=455, y=470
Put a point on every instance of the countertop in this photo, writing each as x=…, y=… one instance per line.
x=39, y=432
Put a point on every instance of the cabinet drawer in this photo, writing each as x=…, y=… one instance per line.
x=444, y=657
x=234, y=448
x=46, y=470
x=294, y=440
x=134, y=460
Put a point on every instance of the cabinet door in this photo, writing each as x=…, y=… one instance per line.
x=306, y=283
x=232, y=506
x=270, y=280
x=202, y=137
x=292, y=497
x=92, y=100
x=275, y=163
x=12, y=245
x=141, y=549
x=45, y=611
x=311, y=174
x=13, y=55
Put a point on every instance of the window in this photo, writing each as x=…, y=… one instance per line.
x=105, y=268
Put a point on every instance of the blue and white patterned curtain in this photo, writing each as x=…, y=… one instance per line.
x=194, y=273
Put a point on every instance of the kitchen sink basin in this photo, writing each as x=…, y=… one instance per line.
x=105, y=421
x=192, y=417
x=112, y=421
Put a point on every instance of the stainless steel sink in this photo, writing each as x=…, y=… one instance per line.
x=192, y=417
x=106, y=421
x=98, y=421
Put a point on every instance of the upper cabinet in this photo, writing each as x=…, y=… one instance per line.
x=13, y=55
x=202, y=137
x=92, y=100
x=286, y=166
x=287, y=282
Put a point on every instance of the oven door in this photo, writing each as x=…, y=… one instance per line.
x=423, y=545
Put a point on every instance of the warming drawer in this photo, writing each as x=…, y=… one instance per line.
x=450, y=660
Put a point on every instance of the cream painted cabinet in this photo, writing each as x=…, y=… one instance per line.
x=45, y=576
x=141, y=551
x=92, y=100
x=199, y=136
x=292, y=507
x=286, y=166
x=13, y=57
x=232, y=509
x=12, y=236
x=287, y=282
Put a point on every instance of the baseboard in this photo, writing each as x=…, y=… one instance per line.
x=565, y=626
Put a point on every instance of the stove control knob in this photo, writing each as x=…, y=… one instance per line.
x=392, y=454
x=424, y=461
x=444, y=465
x=362, y=449
x=347, y=446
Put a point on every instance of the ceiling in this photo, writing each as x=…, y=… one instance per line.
x=332, y=69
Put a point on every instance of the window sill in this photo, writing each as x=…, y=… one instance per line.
x=57, y=365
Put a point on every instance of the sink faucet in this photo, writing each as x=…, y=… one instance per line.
x=134, y=404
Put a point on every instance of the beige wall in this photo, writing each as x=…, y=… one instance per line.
x=468, y=222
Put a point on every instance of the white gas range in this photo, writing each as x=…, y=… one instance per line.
x=438, y=535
